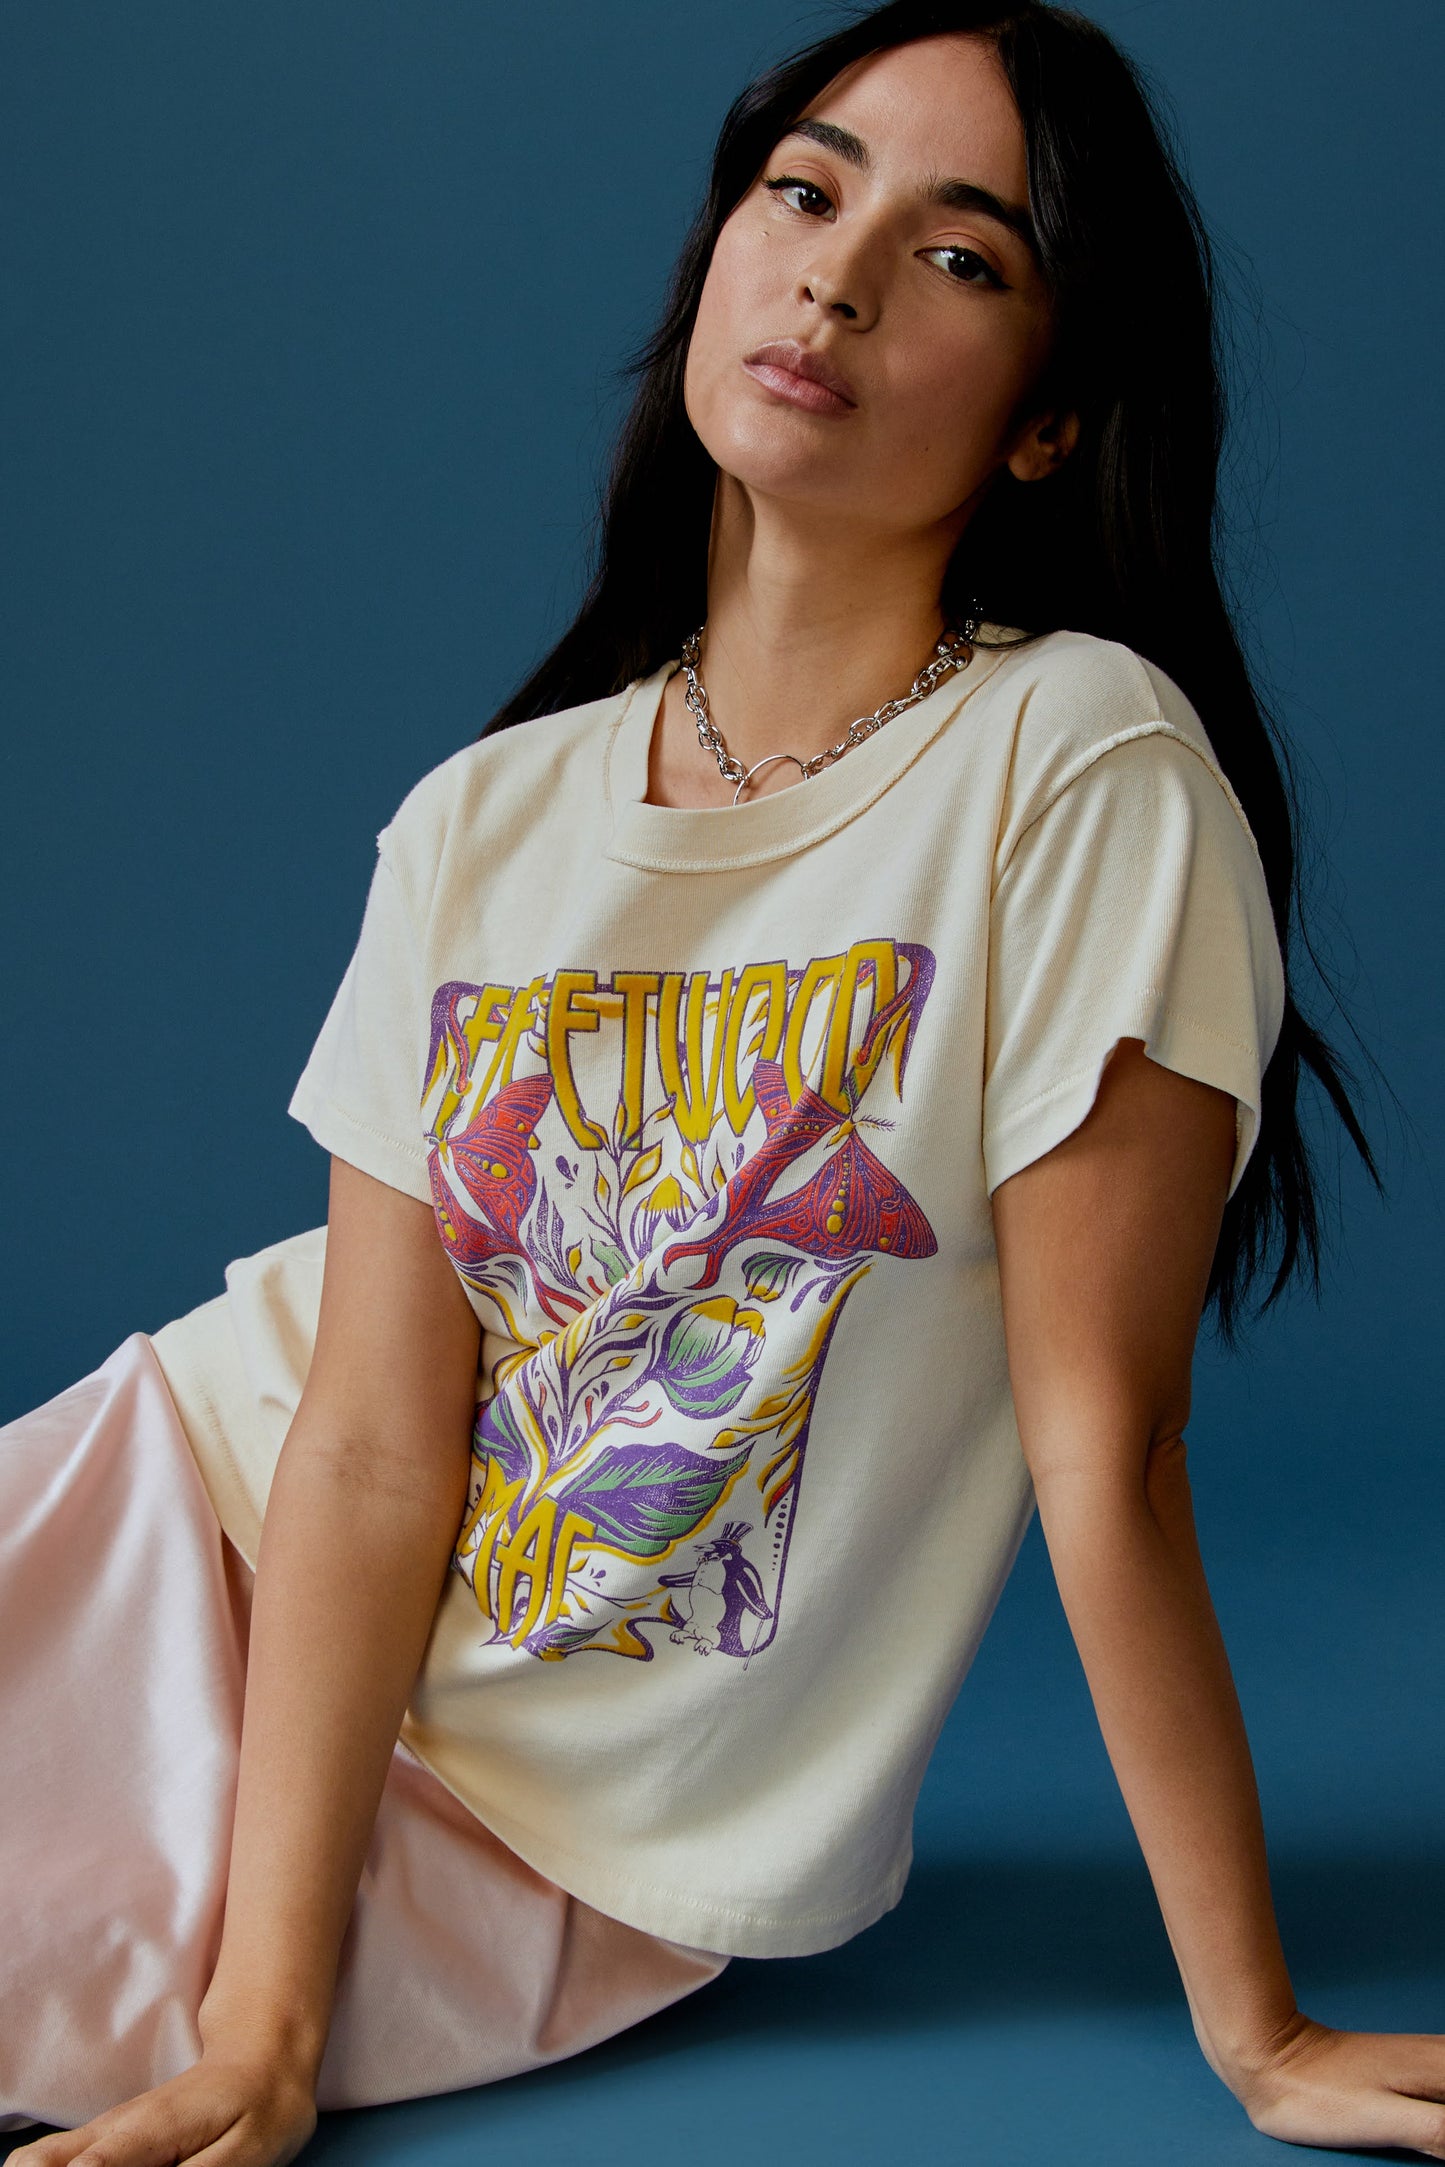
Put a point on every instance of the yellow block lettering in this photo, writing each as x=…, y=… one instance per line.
x=823, y=973
x=883, y=957
x=635, y=988
x=524, y=1557
x=516, y=1024
x=573, y=1526
x=691, y=1082
x=489, y=1512
x=486, y=1021
x=771, y=981
x=568, y=1010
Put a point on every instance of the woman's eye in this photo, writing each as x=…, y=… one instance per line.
x=786, y=185
x=966, y=265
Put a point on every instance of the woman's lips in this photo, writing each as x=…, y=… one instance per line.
x=793, y=373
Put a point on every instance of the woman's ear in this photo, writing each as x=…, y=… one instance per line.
x=1043, y=445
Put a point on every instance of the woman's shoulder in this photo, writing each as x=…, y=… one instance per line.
x=1072, y=698
x=486, y=786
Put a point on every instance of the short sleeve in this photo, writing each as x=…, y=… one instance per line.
x=1133, y=906
x=360, y=1091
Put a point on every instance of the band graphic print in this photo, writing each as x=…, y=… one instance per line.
x=665, y=1186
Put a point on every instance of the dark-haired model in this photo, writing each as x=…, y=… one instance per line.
x=805, y=1071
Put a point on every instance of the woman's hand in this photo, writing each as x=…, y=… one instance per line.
x=239, y=2109
x=1348, y=2090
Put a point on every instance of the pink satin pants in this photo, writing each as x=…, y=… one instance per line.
x=123, y=1618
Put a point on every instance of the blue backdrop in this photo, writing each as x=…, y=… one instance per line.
x=312, y=317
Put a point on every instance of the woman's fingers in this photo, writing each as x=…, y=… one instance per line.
x=219, y=2117
x=251, y=2141
x=1356, y=2089
x=1421, y=2125
x=151, y=2131
x=1386, y=2119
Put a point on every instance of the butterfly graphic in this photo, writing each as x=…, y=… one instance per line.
x=851, y=1204
x=491, y=1160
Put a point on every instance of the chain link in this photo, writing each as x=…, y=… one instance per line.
x=953, y=652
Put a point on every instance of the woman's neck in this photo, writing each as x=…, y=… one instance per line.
x=810, y=622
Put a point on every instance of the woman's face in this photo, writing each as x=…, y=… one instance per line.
x=858, y=245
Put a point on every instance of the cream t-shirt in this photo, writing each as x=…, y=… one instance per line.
x=709, y=1105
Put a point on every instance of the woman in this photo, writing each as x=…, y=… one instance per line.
x=811, y=1145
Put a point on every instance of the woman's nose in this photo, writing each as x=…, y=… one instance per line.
x=818, y=287
x=843, y=277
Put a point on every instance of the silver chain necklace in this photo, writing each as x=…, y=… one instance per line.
x=954, y=651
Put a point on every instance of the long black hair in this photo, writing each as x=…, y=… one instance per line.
x=1123, y=540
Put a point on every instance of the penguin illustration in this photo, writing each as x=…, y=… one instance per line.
x=721, y=1603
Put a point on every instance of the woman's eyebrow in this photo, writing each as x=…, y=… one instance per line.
x=949, y=195
x=955, y=195
x=848, y=146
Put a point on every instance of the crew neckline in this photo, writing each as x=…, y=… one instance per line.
x=723, y=838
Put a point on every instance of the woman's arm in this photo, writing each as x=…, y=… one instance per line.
x=368, y=1496
x=364, y=1509
x=1104, y=1250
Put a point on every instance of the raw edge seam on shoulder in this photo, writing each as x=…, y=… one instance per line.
x=611, y=746
x=1158, y=726
x=385, y=858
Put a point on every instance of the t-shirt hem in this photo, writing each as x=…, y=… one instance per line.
x=361, y=1145
x=709, y=1923
x=1178, y=1042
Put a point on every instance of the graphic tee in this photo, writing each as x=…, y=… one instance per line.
x=709, y=1105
